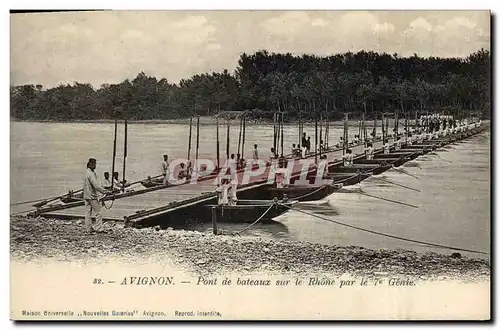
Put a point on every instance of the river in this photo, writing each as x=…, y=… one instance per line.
x=453, y=196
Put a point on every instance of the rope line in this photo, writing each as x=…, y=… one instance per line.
x=434, y=154
x=404, y=172
x=388, y=235
x=253, y=223
x=309, y=193
x=110, y=206
x=396, y=184
x=386, y=199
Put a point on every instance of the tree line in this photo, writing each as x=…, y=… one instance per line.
x=300, y=86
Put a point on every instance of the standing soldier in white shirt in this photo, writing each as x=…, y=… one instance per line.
x=348, y=158
x=255, y=152
x=164, y=169
x=91, y=187
x=397, y=144
x=369, y=151
x=386, y=147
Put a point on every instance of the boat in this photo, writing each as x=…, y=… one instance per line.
x=149, y=183
x=249, y=210
x=304, y=193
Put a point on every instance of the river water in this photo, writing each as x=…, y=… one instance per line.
x=453, y=196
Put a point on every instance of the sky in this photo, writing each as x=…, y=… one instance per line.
x=110, y=46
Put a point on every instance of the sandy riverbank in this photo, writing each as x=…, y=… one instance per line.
x=34, y=239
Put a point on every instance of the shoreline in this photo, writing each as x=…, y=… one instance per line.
x=204, y=120
x=183, y=121
x=35, y=239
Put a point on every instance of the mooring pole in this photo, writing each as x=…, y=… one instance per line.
x=197, y=137
x=124, y=155
x=190, y=134
x=320, y=131
x=327, y=132
x=215, y=229
x=344, y=146
x=227, y=141
x=386, y=125
x=406, y=127
x=282, y=128
x=383, y=129
x=114, y=156
x=218, y=152
x=396, y=124
x=243, y=140
x=239, y=135
x=274, y=122
x=316, y=140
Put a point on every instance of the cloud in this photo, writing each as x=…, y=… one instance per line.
x=108, y=47
x=384, y=28
x=287, y=23
x=457, y=36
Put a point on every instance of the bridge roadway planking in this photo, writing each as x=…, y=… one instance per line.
x=160, y=199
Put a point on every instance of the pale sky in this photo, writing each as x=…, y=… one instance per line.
x=109, y=47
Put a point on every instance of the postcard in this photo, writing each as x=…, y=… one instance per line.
x=250, y=165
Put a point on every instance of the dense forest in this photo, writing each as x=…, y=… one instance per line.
x=363, y=82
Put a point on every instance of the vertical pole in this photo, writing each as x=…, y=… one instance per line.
x=114, y=156
x=300, y=129
x=344, y=145
x=327, y=131
x=243, y=140
x=396, y=124
x=227, y=141
x=197, y=137
x=218, y=153
x=383, y=129
x=124, y=155
x=427, y=122
x=215, y=229
x=386, y=125
x=320, y=132
x=239, y=135
x=190, y=134
x=316, y=140
x=282, y=128
x=406, y=127
x=274, y=122
x=363, y=131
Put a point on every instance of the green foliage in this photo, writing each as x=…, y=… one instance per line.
x=299, y=85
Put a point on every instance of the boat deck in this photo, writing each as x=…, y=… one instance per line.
x=132, y=207
x=159, y=201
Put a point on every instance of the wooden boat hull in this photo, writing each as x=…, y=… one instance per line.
x=248, y=211
x=392, y=155
x=353, y=169
x=302, y=193
x=152, y=183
